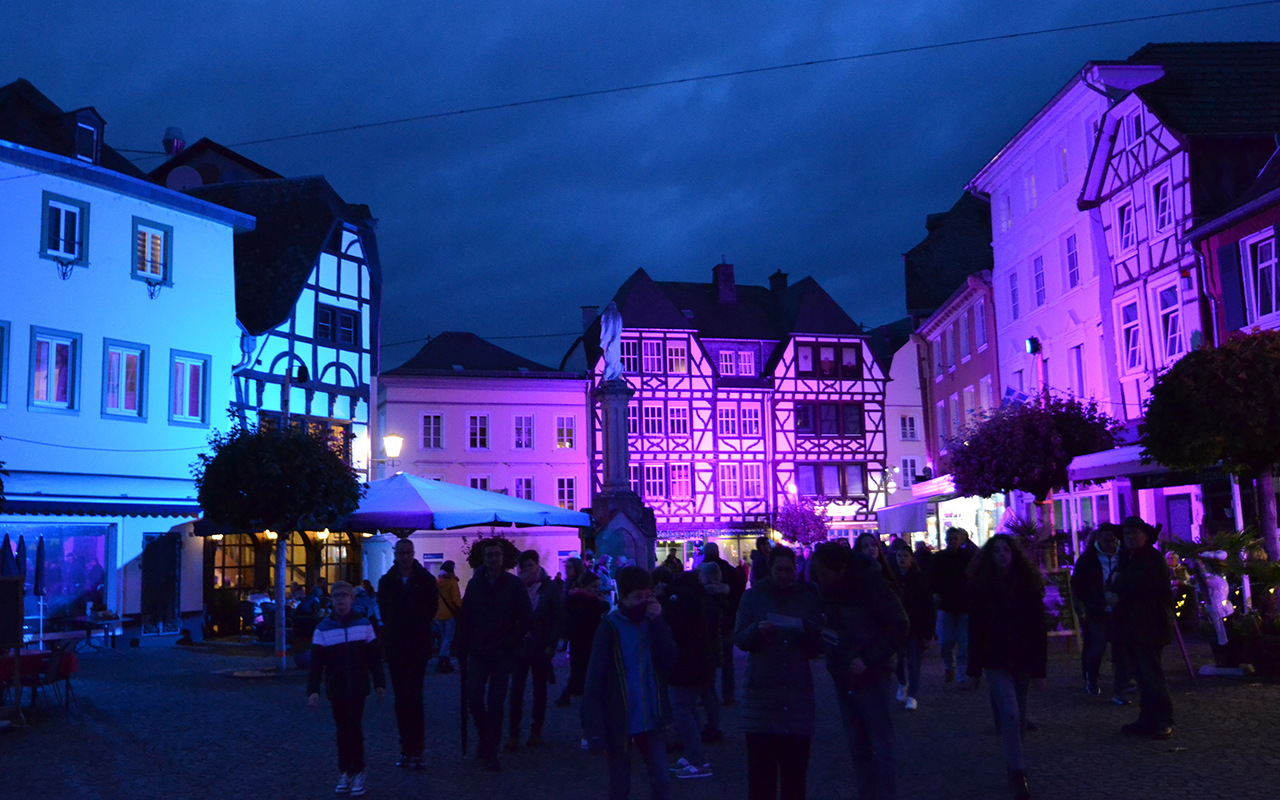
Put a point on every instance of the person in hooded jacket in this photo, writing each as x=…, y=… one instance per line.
x=949, y=578
x=917, y=599
x=1142, y=597
x=583, y=609
x=736, y=579
x=685, y=610
x=447, y=614
x=408, y=600
x=1092, y=574
x=539, y=645
x=779, y=626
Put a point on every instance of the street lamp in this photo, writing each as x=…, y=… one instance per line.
x=391, y=444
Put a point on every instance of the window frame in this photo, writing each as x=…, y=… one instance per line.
x=144, y=368
x=681, y=488
x=1127, y=365
x=188, y=356
x=1249, y=262
x=1126, y=227
x=335, y=327
x=814, y=350
x=6, y=337
x=566, y=432
x=752, y=412
x=478, y=434
x=752, y=479
x=76, y=342
x=522, y=426
x=653, y=419
x=728, y=363
x=907, y=428
x=629, y=356
x=1071, y=259
x=727, y=420
x=656, y=478
x=567, y=492
x=82, y=257
x=166, y=279
x=422, y=429
x=633, y=419
x=658, y=357
x=525, y=483
x=746, y=363
x=1040, y=284
x=677, y=357
x=909, y=472
x=678, y=412
x=980, y=324
x=1172, y=312
x=1014, y=307
x=815, y=411
x=474, y=480
x=729, y=480
x=842, y=472
x=1158, y=229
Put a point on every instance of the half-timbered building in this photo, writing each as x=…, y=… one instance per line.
x=745, y=396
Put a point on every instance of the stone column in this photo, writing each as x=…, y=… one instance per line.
x=613, y=397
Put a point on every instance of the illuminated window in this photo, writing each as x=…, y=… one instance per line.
x=678, y=420
x=432, y=431
x=753, y=480
x=523, y=432
x=124, y=379
x=655, y=480
x=189, y=389
x=746, y=363
x=153, y=250
x=831, y=480
x=566, y=493
x=677, y=358
x=652, y=415
x=652, y=356
x=681, y=481
x=524, y=488
x=727, y=417
x=566, y=432
x=54, y=369
x=751, y=420
x=729, y=480
x=478, y=432
x=630, y=355
x=728, y=363
x=65, y=224
x=804, y=360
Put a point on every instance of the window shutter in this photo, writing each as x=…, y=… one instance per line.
x=1232, y=286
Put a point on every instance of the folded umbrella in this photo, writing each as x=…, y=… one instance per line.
x=8, y=566
x=37, y=583
x=22, y=557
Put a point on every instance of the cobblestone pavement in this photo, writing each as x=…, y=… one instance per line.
x=161, y=722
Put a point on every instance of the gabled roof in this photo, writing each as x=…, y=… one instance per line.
x=1214, y=87
x=460, y=353
x=958, y=245
x=886, y=340
x=210, y=159
x=30, y=119
x=296, y=217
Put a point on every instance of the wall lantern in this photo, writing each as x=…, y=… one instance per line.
x=393, y=442
x=1033, y=345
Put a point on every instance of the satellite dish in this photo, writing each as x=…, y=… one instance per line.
x=183, y=178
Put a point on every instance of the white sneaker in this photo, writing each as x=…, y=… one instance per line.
x=357, y=785
x=691, y=771
x=902, y=692
x=681, y=765
x=344, y=784
x=912, y=705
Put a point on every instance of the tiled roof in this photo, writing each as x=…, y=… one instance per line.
x=886, y=340
x=30, y=119
x=462, y=353
x=296, y=217
x=958, y=245
x=204, y=155
x=1214, y=87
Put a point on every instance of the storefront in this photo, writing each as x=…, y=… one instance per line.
x=937, y=506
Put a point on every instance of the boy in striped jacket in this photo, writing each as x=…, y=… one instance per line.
x=344, y=651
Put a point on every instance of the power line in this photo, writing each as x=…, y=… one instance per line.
x=740, y=72
x=103, y=449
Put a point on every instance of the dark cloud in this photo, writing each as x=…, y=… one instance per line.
x=504, y=222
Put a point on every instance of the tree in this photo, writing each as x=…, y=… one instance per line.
x=1216, y=405
x=801, y=522
x=1028, y=447
x=276, y=478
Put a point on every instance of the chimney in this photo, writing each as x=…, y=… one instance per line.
x=722, y=279
x=173, y=141
x=778, y=283
x=588, y=316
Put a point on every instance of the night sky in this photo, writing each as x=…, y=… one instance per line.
x=504, y=222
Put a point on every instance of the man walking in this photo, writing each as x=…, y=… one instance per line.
x=407, y=598
x=496, y=615
x=534, y=655
x=1143, y=603
x=948, y=577
x=737, y=583
x=447, y=614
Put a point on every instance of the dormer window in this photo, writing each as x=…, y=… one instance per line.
x=85, y=129
x=86, y=142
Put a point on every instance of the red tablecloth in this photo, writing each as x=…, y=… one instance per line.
x=34, y=662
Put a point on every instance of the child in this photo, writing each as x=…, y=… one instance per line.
x=626, y=695
x=344, y=651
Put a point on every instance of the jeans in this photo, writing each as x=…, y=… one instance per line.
x=1095, y=631
x=541, y=668
x=1156, y=708
x=953, y=634
x=712, y=704
x=865, y=712
x=407, y=675
x=684, y=707
x=653, y=749
x=773, y=759
x=448, y=627
x=1009, y=699
x=487, y=677
x=909, y=664
x=727, y=684
x=348, y=714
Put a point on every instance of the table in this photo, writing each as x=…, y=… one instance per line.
x=34, y=662
x=109, y=628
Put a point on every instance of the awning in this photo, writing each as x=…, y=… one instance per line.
x=939, y=488
x=58, y=493
x=904, y=517
x=1119, y=462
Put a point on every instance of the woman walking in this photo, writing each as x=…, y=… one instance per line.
x=917, y=598
x=1008, y=641
x=778, y=626
x=583, y=609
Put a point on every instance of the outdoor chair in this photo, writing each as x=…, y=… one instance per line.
x=247, y=623
x=51, y=677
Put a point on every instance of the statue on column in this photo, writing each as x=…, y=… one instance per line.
x=611, y=341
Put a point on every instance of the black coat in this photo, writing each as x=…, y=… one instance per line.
x=949, y=578
x=686, y=614
x=732, y=577
x=1007, y=630
x=408, y=610
x=1144, y=614
x=868, y=621
x=917, y=599
x=583, y=610
x=496, y=615
x=1087, y=585
x=548, y=621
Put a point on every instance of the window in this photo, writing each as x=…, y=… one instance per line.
x=909, y=472
x=1076, y=365
x=652, y=419
x=677, y=358
x=1073, y=263
x=957, y=419
x=480, y=482
x=633, y=471
x=189, y=389
x=153, y=249
x=233, y=561
x=681, y=481
x=633, y=419
x=851, y=421
x=652, y=356
x=985, y=393
x=942, y=422
x=523, y=432
x=124, y=379
x=829, y=419
x=1262, y=278
x=728, y=363
x=678, y=420
x=948, y=350
x=1132, y=340
x=751, y=420
x=1013, y=295
x=566, y=432
x=1018, y=380
x=806, y=420
x=829, y=361
x=1064, y=171
x=729, y=480
x=804, y=360
x=1006, y=212
x=566, y=493
x=727, y=419
x=1163, y=203
x=962, y=330
x=1128, y=237
x=432, y=431
x=655, y=480
x=939, y=369
x=1134, y=127
x=1029, y=189
x=65, y=227
x=524, y=488
x=970, y=401
x=830, y=480
x=753, y=480
x=5, y=332
x=1037, y=272
x=746, y=363
x=980, y=324
x=1170, y=322
x=477, y=431
x=630, y=356
x=55, y=369
x=908, y=428
x=337, y=325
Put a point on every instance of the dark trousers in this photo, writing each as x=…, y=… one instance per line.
x=579, y=657
x=407, y=674
x=1009, y=704
x=653, y=749
x=727, y=683
x=541, y=669
x=1156, y=709
x=909, y=664
x=777, y=766
x=487, y=677
x=869, y=726
x=348, y=717
x=1096, y=631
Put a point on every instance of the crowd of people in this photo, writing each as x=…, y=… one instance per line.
x=645, y=646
